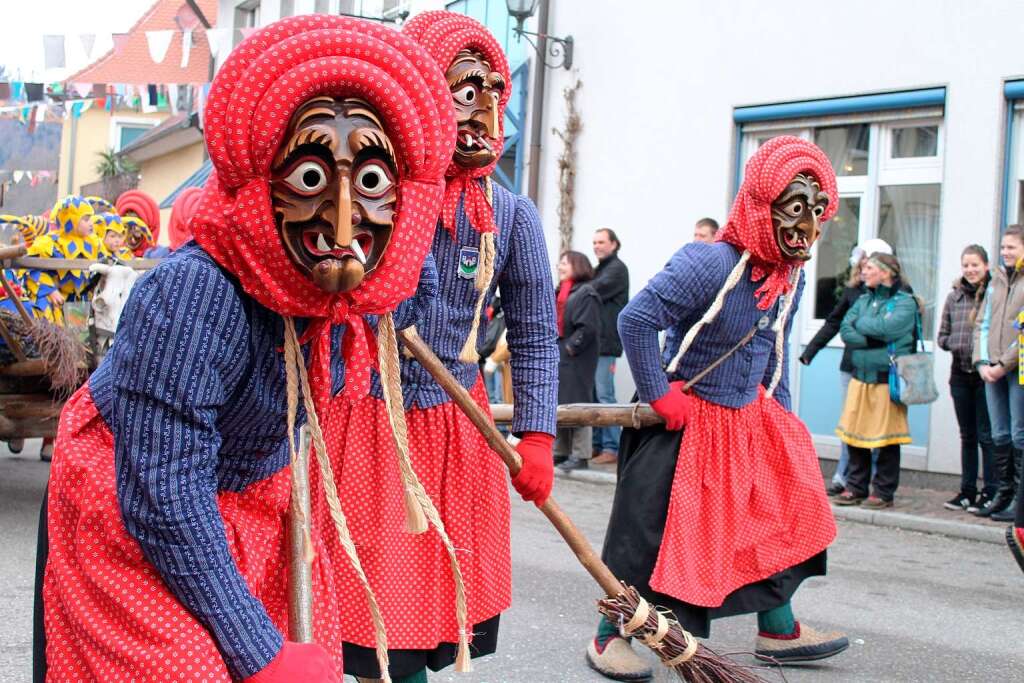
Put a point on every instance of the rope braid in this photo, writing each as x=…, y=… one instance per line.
x=712, y=312
x=780, y=330
x=292, y=393
x=484, y=275
x=417, y=500
x=293, y=357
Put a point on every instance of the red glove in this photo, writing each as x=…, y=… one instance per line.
x=538, y=473
x=674, y=406
x=306, y=662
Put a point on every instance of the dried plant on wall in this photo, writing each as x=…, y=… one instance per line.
x=567, y=165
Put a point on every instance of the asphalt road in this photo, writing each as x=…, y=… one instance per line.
x=916, y=607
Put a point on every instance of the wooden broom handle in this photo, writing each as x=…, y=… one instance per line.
x=481, y=420
x=300, y=573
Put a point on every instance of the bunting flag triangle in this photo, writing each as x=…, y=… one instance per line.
x=88, y=41
x=158, y=42
x=120, y=42
x=186, y=47
x=219, y=40
x=18, y=175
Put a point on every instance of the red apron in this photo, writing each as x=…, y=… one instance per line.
x=411, y=574
x=747, y=502
x=109, y=616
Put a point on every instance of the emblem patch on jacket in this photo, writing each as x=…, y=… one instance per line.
x=469, y=261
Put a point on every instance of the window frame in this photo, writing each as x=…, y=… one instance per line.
x=119, y=122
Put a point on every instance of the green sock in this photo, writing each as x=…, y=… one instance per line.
x=418, y=677
x=778, y=621
x=606, y=630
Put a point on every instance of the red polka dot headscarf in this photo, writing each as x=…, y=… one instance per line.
x=444, y=35
x=185, y=206
x=252, y=98
x=146, y=208
x=749, y=228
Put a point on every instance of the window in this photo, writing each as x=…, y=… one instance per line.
x=247, y=15
x=889, y=175
x=123, y=131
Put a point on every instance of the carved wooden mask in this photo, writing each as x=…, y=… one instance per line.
x=334, y=187
x=476, y=90
x=796, y=217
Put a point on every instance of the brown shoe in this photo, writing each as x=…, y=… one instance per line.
x=876, y=503
x=805, y=645
x=605, y=458
x=617, y=661
x=848, y=498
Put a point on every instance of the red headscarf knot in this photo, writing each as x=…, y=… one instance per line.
x=749, y=228
x=444, y=34
x=256, y=91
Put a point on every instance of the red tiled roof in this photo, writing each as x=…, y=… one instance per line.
x=134, y=65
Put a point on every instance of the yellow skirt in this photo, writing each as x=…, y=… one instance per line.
x=871, y=419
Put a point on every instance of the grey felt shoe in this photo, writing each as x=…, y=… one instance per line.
x=617, y=661
x=805, y=645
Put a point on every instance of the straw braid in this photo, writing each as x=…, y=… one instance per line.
x=780, y=330
x=416, y=496
x=293, y=355
x=484, y=275
x=712, y=312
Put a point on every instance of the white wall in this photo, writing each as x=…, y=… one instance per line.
x=661, y=79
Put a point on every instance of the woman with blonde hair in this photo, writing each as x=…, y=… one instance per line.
x=880, y=324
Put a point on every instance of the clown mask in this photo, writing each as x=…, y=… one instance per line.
x=476, y=90
x=796, y=217
x=333, y=190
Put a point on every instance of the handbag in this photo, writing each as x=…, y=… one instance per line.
x=912, y=377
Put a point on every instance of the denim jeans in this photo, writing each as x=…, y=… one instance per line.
x=1005, y=400
x=606, y=438
x=494, y=384
x=969, y=402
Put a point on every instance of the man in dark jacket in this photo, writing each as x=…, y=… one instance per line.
x=612, y=284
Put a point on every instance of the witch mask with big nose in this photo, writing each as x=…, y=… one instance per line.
x=333, y=190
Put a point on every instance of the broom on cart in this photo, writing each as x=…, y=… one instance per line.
x=656, y=627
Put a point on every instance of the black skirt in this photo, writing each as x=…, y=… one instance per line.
x=362, y=661
x=646, y=469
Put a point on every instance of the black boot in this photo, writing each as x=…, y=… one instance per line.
x=1003, y=457
x=1007, y=515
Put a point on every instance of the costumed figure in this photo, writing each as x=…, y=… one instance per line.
x=141, y=216
x=73, y=238
x=487, y=237
x=170, y=481
x=722, y=510
x=112, y=233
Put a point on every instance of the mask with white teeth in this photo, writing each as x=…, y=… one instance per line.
x=476, y=91
x=796, y=217
x=334, y=191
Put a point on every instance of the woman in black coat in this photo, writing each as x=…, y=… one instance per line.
x=579, y=331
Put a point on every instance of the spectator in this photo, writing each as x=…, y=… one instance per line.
x=611, y=281
x=882, y=322
x=578, y=309
x=852, y=291
x=995, y=356
x=956, y=335
x=705, y=230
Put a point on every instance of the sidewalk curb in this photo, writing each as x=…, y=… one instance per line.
x=890, y=520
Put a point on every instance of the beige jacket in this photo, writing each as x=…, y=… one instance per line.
x=995, y=331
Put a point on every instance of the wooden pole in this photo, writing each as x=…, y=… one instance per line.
x=300, y=572
x=481, y=420
x=635, y=415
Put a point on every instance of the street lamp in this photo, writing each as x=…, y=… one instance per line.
x=522, y=10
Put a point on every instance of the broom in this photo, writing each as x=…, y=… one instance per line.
x=656, y=627
x=300, y=547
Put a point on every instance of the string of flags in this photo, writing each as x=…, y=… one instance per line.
x=33, y=177
x=56, y=47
